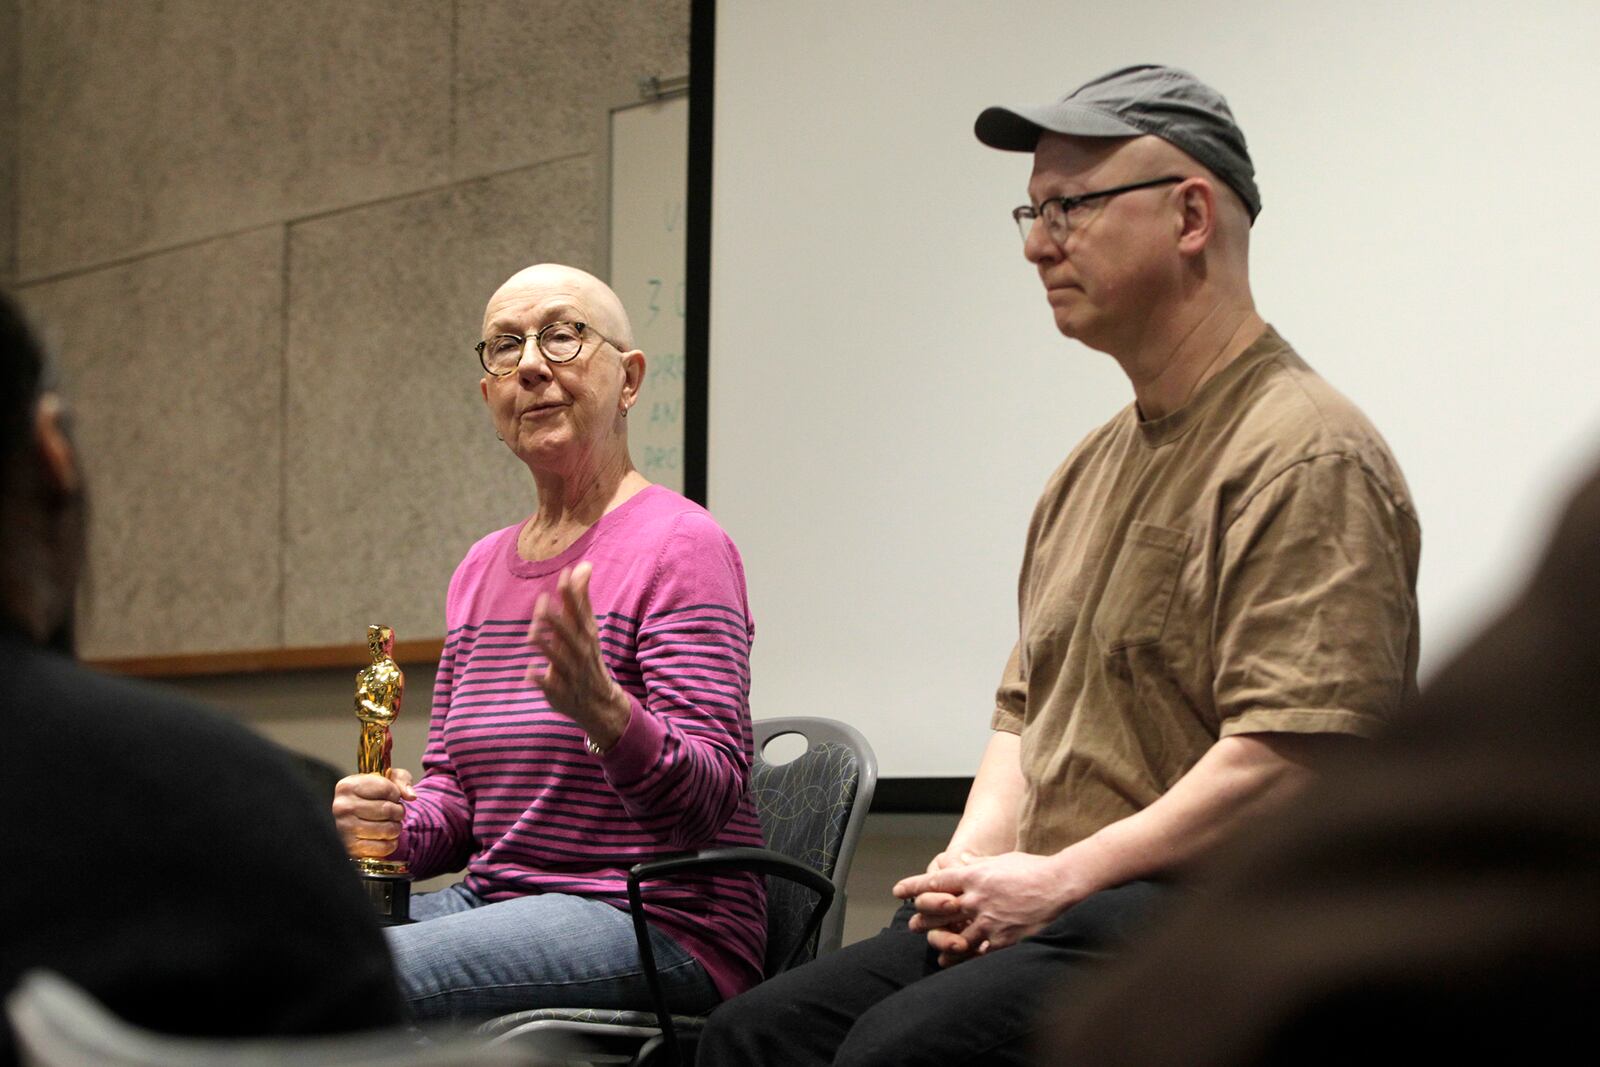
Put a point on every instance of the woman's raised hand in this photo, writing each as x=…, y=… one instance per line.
x=576, y=681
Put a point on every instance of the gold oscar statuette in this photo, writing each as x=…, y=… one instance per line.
x=379, y=689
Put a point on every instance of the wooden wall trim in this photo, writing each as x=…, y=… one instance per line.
x=422, y=652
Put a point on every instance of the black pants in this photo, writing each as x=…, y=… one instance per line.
x=886, y=1000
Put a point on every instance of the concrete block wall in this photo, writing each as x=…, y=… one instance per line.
x=259, y=238
x=10, y=50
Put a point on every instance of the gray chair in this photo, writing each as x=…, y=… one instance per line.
x=57, y=1024
x=812, y=811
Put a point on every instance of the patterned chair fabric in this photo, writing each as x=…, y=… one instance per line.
x=803, y=805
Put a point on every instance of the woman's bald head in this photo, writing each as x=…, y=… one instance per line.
x=583, y=289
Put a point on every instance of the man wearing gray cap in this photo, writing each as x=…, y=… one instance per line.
x=1217, y=584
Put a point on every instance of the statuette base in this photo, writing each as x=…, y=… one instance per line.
x=388, y=886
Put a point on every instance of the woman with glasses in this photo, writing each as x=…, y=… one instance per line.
x=591, y=709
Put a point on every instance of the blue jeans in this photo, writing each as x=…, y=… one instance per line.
x=466, y=959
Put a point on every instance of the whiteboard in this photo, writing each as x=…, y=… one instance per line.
x=649, y=179
x=889, y=393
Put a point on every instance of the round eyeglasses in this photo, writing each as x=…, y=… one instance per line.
x=558, y=342
x=1061, y=214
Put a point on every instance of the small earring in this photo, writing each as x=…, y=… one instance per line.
x=624, y=412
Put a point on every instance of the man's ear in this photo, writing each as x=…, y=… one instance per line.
x=55, y=447
x=1199, y=219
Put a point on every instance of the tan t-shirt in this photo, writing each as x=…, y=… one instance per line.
x=1246, y=564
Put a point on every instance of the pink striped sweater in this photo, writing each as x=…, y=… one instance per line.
x=509, y=789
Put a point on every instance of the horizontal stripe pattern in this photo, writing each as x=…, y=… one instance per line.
x=509, y=789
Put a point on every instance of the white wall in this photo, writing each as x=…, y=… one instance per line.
x=887, y=393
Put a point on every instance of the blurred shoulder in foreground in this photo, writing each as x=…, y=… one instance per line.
x=166, y=861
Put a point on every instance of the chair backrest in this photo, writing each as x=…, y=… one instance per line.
x=812, y=809
x=57, y=1024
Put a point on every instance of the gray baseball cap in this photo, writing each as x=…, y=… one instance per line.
x=1172, y=104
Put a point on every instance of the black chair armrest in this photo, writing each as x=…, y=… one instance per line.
x=759, y=860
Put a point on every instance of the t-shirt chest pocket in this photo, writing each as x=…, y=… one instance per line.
x=1138, y=595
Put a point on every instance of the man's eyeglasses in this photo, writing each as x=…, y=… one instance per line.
x=559, y=342
x=1062, y=213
